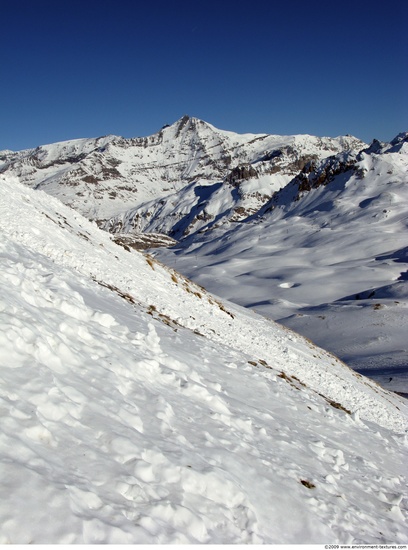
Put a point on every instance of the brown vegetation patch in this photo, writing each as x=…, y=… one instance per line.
x=126, y=296
x=150, y=261
x=335, y=404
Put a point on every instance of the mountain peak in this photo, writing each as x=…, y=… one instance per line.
x=184, y=119
x=108, y=176
x=186, y=122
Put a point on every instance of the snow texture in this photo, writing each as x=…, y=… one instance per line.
x=138, y=408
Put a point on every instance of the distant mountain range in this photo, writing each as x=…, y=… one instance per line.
x=186, y=177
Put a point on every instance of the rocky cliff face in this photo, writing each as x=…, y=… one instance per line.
x=187, y=177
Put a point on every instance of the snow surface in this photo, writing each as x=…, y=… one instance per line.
x=137, y=408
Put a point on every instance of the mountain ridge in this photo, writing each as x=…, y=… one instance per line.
x=101, y=175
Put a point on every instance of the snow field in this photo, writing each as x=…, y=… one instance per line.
x=123, y=433
x=121, y=425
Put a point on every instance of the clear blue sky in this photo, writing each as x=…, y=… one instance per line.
x=85, y=68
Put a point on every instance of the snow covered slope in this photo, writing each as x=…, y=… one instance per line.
x=326, y=256
x=107, y=176
x=137, y=408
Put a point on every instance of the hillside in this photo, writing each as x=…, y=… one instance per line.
x=138, y=408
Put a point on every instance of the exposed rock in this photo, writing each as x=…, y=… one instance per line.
x=143, y=241
x=315, y=174
x=240, y=173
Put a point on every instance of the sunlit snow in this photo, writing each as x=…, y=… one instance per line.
x=137, y=408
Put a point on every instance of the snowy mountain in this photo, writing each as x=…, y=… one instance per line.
x=169, y=181
x=288, y=215
x=138, y=408
x=326, y=256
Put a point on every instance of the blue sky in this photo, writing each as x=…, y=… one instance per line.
x=85, y=68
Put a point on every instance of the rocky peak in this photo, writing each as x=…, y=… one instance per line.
x=399, y=143
x=400, y=138
x=184, y=122
x=375, y=147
